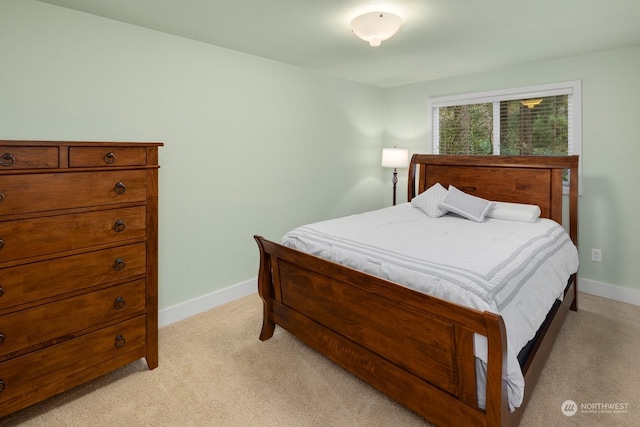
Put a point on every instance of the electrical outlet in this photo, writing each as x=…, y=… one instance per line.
x=596, y=255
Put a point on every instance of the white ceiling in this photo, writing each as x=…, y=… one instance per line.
x=439, y=38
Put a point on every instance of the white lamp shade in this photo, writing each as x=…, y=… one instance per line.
x=375, y=27
x=395, y=158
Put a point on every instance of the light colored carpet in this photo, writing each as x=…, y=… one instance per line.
x=215, y=372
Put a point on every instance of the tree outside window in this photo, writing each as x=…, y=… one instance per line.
x=518, y=127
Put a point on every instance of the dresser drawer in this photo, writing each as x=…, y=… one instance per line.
x=31, y=282
x=28, y=157
x=37, y=370
x=45, y=192
x=41, y=236
x=68, y=316
x=80, y=157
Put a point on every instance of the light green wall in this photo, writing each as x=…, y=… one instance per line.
x=252, y=146
x=610, y=201
x=256, y=146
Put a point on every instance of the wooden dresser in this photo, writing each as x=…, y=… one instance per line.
x=78, y=264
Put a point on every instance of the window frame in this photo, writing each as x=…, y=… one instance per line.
x=571, y=88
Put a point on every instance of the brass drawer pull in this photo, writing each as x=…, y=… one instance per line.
x=7, y=159
x=3, y=385
x=2, y=338
x=1, y=243
x=120, y=188
x=1, y=197
x=119, y=226
x=109, y=158
x=1, y=292
x=119, y=303
x=119, y=265
x=120, y=341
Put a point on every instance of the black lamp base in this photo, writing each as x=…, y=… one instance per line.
x=395, y=181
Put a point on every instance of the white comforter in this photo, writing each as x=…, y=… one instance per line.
x=515, y=269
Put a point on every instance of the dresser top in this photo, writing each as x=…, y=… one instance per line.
x=41, y=143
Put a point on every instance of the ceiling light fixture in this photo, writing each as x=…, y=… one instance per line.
x=375, y=27
x=531, y=102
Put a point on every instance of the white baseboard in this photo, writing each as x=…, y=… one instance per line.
x=206, y=302
x=616, y=293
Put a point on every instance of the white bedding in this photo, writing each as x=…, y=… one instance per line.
x=515, y=269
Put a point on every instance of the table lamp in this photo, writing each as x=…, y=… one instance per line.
x=395, y=158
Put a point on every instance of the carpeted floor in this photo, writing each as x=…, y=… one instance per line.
x=215, y=372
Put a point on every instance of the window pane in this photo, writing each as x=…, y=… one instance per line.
x=505, y=122
x=466, y=129
x=536, y=126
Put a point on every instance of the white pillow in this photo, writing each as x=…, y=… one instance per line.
x=470, y=207
x=429, y=200
x=514, y=212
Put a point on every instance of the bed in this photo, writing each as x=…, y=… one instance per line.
x=420, y=349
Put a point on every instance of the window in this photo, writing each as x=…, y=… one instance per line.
x=538, y=120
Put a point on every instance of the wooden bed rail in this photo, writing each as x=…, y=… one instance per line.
x=359, y=321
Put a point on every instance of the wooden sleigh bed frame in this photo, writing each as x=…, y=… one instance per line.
x=416, y=348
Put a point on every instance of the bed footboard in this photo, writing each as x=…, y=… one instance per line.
x=415, y=348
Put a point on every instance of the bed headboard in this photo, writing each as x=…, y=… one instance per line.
x=518, y=179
